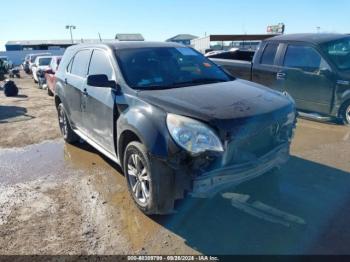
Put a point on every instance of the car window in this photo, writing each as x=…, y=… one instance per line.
x=303, y=57
x=269, y=54
x=167, y=67
x=100, y=64
x=339, y=52
x=235, y=55
x=69, y=66
x=80, y=63
x=44, y=61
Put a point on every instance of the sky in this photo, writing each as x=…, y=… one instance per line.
x=158, y=20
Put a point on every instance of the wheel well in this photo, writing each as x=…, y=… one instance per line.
x=125, y=138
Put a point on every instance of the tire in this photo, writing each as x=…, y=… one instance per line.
x=67, y=132
x=154, y=193
x=345, y=113
x=49, y=92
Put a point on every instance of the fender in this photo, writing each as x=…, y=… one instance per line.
x=59, y=92
x=149, y=124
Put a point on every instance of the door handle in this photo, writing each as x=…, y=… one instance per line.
x=281, y=76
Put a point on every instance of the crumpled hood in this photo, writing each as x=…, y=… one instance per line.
x=220, y=103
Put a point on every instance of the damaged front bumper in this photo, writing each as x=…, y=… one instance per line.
x=209, y=183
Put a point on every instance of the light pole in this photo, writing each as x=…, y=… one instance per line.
x=70, y=27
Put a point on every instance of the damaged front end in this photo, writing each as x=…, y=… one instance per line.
x=250, y=150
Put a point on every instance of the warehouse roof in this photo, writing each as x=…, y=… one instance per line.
x=129, y=37
x=181, y=37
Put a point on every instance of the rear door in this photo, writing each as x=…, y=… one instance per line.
x=98, y=102
x=74, y=81
x=307, y=78
x=266, y=66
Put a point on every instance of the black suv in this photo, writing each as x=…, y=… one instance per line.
x=174, y=121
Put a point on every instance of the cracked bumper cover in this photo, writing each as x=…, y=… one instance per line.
x=211, y=182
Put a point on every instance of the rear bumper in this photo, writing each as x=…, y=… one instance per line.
x=211, y=182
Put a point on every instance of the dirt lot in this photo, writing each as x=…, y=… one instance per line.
x=62, y=199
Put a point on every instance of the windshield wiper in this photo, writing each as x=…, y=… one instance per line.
x=199, y=81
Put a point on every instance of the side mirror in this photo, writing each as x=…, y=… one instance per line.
x=100, y=81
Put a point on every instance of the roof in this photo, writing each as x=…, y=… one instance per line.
x=129, y=37
x=315, y=38
x=181, y=37
x=54, y=42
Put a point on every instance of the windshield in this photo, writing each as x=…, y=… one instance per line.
x=167, y=67
x=44, y=61
x=339, y=52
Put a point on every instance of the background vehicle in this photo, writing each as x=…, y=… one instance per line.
x=14, y=72
x=5, y=62
x=50, y=77
x=29, y=61
x=41, y=64
x=3, y=67
x=313, y=68
x=172, y=119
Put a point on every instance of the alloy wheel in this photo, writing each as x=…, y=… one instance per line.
x=347, y=113
x=139, y=179
x=62, y=119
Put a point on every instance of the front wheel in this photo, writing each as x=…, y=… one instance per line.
x=149, y=187
x=66, y=130
x=345, y=113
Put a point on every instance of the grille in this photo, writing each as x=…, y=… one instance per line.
x=248, y=147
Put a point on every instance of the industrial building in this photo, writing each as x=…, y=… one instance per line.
x=129, y=37
x=226, y=42
x=184, y=39
x=26, y=45
x=17, y=50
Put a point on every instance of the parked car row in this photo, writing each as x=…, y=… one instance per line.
x=313, y=68
x=43, y=71
x=29, y=61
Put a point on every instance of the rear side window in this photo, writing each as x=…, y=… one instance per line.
x=269, y=54
x=235, y=55
x=80, y=63
x=100, y=64
x=303, y=57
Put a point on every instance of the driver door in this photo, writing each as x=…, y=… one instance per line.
x=98, y=103
x=307, y=77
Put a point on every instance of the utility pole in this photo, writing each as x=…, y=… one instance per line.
x=70, y=27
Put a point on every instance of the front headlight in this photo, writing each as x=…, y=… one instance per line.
x=193, y=135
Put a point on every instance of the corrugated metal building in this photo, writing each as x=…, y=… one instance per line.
x=129, y=37
x=184, y=39
x=47, y=44
x=225, y=42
